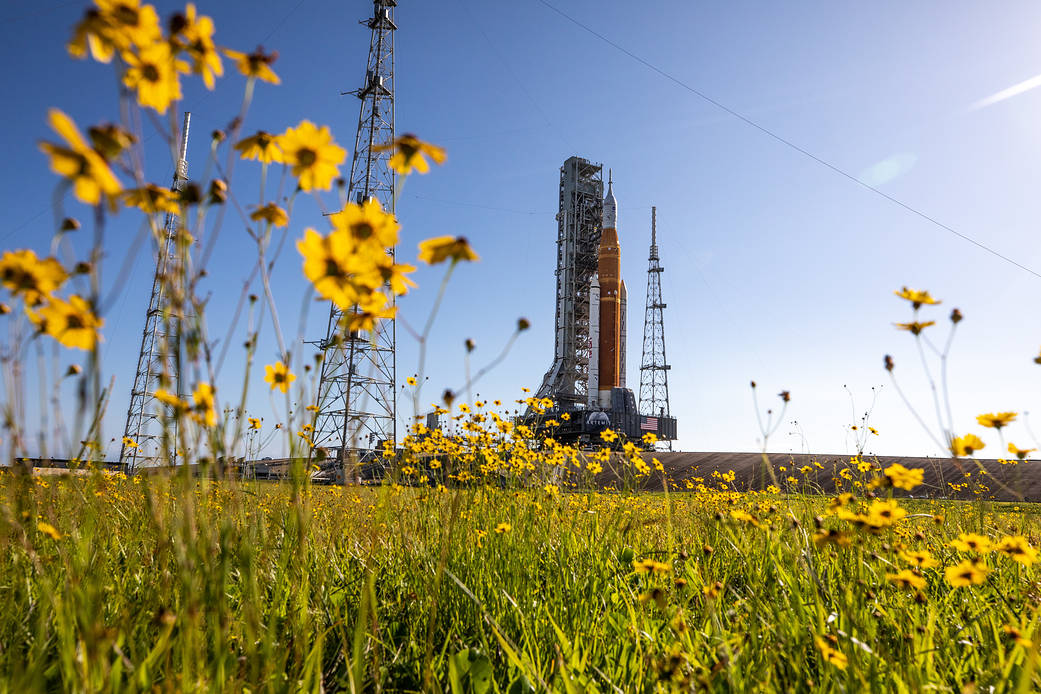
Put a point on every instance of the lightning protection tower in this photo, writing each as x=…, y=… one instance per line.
x=654, y=369
x=356, y=406
x=157, y=361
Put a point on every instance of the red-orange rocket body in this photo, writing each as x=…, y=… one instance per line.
x=609, y=272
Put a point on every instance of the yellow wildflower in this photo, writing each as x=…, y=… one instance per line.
x=114, y=25
x=966, y=445
x=971, y=542
x=409, y=153
x=902, y=478
x=609, y=435
x=254, y=423
x=916, y=327
x=921, y=559
x=312, y=154
x=738, y=514
x=48, y=530
x=256, y=64
x=329, y=262
x=442, y=248
x=152, y=199
x=840, y=501
x=204, y=405
x=278, y=376
x=368, y=312
x=650, y=438
x=905, y=578
x=996, y=420
x=153, y=73
x=367, y=224
x=916, y=297
x=129, y=442
x=193, y=34
x=22, y=273
x=1017, y=636
x=81, y=164
x=1018, y=548
x=272, y=214
x=967, y=573
x=262, y=147
x=826, y=536
x=384, y=272
x=411, y=380
x=643, y=566
x=884, y=513
x=72, y=322
x=831, y=655
x=168, y=398
x=503, y=528
x=1020, y=453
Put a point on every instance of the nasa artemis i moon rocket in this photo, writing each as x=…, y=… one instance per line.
x=608, y=303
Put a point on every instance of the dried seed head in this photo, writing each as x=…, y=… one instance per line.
x=192, y=194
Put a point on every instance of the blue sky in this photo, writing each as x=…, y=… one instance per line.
x=778, y=269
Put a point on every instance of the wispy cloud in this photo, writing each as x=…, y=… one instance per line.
x=1015, y=90
x=889, y=169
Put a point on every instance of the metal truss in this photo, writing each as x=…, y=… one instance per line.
x=654, y=368
x=157, y=361
x=356, y=404
x=579, y=223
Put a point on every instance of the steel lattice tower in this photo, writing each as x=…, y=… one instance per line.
x=654, y=369
x=356, y=405
x=157, y=361
x=579, y=223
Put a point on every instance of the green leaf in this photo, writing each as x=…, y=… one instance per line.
x=521, y=685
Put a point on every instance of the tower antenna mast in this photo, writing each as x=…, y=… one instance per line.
x=654, y=369
x=357, y=405
x=144, y=437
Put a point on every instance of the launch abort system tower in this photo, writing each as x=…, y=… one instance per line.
x=587, y=378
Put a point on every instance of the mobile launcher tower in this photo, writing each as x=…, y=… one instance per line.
x=587, y=378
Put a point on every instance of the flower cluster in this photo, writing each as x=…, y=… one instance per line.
x=151, y=61
x=34, y=281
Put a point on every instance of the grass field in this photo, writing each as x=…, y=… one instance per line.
x=116, y=584
x=490, y=559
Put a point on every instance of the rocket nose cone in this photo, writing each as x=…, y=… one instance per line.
x=610, y=209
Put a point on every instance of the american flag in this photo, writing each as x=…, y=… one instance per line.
x=649, y=424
